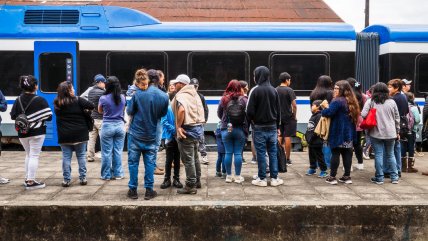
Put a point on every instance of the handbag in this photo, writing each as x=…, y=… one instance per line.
x=370, y=121
x=88, y=118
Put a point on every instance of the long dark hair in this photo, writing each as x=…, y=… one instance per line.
x=153, y=76
x=356, y=87
x=27, y=83
x=113, y=87
x=64, y=96
x=233, y=91
x=322, y=89
x=380, y=93
x=345, y=90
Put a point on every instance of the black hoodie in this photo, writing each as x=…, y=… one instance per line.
x=263, y=107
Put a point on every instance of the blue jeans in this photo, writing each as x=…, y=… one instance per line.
x=384, y=158
x=137, y=147
x=219, y=166
x=326, y=151
x=67, y=154
x=112, y=140
x=234, y=142
x=397, y=155
x=266, y=139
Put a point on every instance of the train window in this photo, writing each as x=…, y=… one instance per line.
x=91, y=64
x=12, y=65
x=422, y=73
x=124, y=64
x=214, y=70
x=53, y=70
x=303, y=68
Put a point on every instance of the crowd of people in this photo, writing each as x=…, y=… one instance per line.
x=174, y=118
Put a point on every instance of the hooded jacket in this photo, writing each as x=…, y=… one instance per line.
x=192, y=103
x=263, y=107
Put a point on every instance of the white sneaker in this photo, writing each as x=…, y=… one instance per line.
x=276, y=182
x=255, y=177
x=204, y=160
x=229, y=179
x=259, y=182
x=359, y=166
x=239, y=179
x=365, y=156
x=4, y=180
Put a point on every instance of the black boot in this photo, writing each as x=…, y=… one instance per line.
x=198, y=183
x=150, y=193
x=166, y=183
x=176, y=183
x=187, y=190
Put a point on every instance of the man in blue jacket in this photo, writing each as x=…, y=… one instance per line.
x=147, y=108
x=3, y=108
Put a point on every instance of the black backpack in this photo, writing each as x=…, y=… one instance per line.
x=22, y=125
x=235, y=111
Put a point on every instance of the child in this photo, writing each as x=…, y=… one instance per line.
x=220, y=168
x=315, y=143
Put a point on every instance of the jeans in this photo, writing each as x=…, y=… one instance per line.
x=172, y=156
x=266, y=138
x=326, y=151
x=202, y=146
x=189, y=156
x=234, y=142
x=137, y=147
x=316, y=158
x=335, y=160
x=32, y=146
x=112, y=140
x=93, y=138
x=67, y=154
x=219, y=166
x=384, y=158
x=397, y=155
x=409, y=145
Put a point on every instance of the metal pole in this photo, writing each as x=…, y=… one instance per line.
x=367, y=13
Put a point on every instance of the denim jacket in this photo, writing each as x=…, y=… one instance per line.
x=168, y=125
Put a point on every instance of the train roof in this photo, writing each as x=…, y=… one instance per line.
x=93, y=22
x=400, y=32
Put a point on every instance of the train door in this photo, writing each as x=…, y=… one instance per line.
x=54, y=62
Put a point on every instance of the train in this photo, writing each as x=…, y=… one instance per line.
x=57, y=43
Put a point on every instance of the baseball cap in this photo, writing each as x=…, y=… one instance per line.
x=182, y=78
x=407, y=82
x=100, y=78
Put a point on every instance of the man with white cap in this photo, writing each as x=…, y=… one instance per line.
x=189, y=112
x=407, y=85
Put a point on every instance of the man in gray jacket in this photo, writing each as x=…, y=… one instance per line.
x=94, y=96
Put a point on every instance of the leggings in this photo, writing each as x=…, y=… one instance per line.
x=335, y=160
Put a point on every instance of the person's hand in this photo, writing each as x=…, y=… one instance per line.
x=324, y=104
x=181, y=133
x=278, y=132
x=398, y=137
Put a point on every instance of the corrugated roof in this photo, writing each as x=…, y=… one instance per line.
x=215, y=10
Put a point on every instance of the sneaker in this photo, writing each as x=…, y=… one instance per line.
x=345, y=179
x=83, y=181
x=331, y=180
x=176, y=183
x=253, y=160
x=374, y=180
x=394, y=181
x=34, y=185
x=289, y=163
x=229, y=179
x=244, y=162
x=311, y=172
x=255, y=177
x=274, y=182
x=259, y=182
x=150, y=194
x=66, y=183
x=218, y=174
x=159, y=171
x=359, y=166
x=4, y=180
x=117, y=178
x=132, y=193
x=187, y=190
x=239, y=179
x=166, y=183
x=323, y=174
x=204, y=160
x=198, y=183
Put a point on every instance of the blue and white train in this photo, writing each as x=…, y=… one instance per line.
x=57, y=43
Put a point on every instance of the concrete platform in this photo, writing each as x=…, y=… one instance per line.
x=305, y=207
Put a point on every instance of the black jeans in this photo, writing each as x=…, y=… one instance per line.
x=335, y=160
x=358, y=149
x=408, y=146
x=172, y=155
x=316, y=156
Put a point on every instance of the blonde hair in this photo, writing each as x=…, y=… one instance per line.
x=141, y=79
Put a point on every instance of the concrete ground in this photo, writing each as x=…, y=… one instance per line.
x=298, y=189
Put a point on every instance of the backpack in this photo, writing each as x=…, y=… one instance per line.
x=411, y=118
x=235, y=111
x=22, y=125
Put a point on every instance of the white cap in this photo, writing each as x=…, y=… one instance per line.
x=407, y=82
x=182, y=78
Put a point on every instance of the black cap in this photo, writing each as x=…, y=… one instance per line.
x=194, y=81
